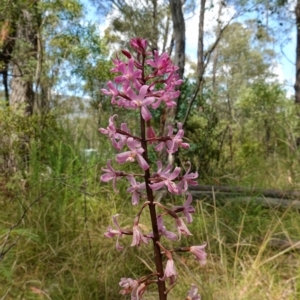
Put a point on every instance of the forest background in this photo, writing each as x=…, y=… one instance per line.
x=240, y=118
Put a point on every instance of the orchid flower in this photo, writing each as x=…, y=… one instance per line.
x=135, y=152
x=187, y=209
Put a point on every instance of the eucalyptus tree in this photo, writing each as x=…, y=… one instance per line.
x=19, y=22
x=279, y=18
x=47, y=45
x=297, y=81
x=263, y=117
x=7, y=43
x=243, y=58
x=147, y=18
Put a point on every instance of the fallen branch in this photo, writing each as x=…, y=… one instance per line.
x=266, y=198
x=283, y=244
x=271, y=193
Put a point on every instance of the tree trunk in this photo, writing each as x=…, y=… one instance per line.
x=297, y=83
x=179, y=35
x=166, y=34
x=297, y=79
x=200, y=52
x=7, y=44
x=168, y=114
x=203, y=58
x=200, y=60
x=22, y=95
x=155, y=25
x=216, y=52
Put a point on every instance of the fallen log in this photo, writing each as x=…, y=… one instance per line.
x=284, y=244
x=228, y=194
x=263, y=201
x=272, y=193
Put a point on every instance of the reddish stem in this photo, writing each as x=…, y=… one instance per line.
x=157, y=253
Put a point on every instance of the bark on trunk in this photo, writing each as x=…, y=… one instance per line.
x=200, y=52
x=297, y=79
x=200, y=61
x=168, y=114
x=179, y=35
x=203, y=58
x=7, y=44
x=297, y=83
x=166, y=34
x=22, y=94
x=216, y=52
x=155, y=25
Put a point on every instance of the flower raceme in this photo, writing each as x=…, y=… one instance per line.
x=144, y=81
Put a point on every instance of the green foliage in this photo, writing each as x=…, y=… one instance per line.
x=241, y=132
x=16, y=134
x=146, y=19
x=243, y=118
x=264, y=111
x=259, y=132
x=62, y=252
x=71, y=54
x=201, y=131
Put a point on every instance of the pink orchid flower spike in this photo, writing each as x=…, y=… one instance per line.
x=174, y=142
x=163, y=231
x=113, y=91
x=139, y=44
x=129, y=74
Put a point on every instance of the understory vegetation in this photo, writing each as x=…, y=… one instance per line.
x=58, y=250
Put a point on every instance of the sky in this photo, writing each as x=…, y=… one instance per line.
x=284, y=66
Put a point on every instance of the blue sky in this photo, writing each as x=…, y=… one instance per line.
x=285, y=68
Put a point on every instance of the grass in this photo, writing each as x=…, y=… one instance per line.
x=59, y=251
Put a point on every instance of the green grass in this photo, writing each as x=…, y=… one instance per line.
x=60, y=251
